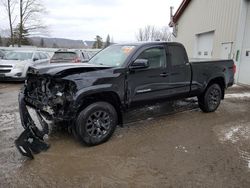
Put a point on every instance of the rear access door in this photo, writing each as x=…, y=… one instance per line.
x=180, y=69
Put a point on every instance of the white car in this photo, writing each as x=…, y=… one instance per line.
x=15, y=64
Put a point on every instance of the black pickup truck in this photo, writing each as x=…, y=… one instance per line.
x=90, y=98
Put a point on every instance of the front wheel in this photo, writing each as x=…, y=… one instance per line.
x=209, y=101
x=96, y=123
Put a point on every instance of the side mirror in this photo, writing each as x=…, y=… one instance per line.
x=139, y=64
x=35, y=59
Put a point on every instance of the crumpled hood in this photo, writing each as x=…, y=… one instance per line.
x=64, y=69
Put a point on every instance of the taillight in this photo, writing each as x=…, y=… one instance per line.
x=234, y=68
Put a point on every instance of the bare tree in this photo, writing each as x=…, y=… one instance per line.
x=140, y=35
x=151, y=33
x=30, y=18
x=10, y=6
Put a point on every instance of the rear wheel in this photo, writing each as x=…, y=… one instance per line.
x=209, y=101
x=96, y=123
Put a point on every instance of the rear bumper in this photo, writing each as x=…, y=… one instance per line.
x=31, y=141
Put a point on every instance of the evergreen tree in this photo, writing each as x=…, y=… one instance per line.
x=24, y=37
x=107, y=43
x=98, y=42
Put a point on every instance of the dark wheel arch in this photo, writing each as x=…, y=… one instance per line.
x=107, y=96
x=221, y=82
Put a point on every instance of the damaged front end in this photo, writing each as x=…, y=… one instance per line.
x=51, y=98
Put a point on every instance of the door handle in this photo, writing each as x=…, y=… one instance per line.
x=164, y=74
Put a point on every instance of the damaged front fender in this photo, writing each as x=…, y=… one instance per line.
x=31, y=141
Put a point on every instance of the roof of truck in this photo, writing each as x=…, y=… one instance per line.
x=147, y=43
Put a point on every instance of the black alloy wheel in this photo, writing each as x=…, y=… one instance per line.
x=96, y=123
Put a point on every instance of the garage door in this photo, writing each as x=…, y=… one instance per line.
x=204, y=45
x=244, y=68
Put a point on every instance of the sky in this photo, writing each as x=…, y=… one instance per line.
x=84, y=19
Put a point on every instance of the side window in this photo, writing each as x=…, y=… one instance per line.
x=36, y=56
x=156, y=57
x=177, y=55
x=42, y=56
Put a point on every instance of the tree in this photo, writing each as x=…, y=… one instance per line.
x=30, y=14
x=41, y=42
x=151, y=33
x=10, y=5
x=98, y=42
x=24, y=36
x=107, y=43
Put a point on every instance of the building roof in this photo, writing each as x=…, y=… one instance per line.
x=179, y=12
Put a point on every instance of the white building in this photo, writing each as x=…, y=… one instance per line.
x=216, y=29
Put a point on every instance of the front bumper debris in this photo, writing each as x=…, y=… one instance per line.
x=32, y=139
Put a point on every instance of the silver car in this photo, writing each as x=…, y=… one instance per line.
x=1, y=54
x=15, y=64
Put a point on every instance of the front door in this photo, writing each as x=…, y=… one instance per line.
x=149, y=83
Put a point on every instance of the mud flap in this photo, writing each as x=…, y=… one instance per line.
x=31, y=141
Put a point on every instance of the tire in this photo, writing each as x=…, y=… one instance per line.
x=209, y=101
x=96, y=123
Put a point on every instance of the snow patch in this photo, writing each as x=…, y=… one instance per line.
x=237, y=134
x=245, y=156
x=235, y=85
x=234, y=133
x=237, y=95
x=181, y=148
x=230, y=135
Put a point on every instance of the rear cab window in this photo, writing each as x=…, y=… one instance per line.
x=177, y=55
x=64, y=55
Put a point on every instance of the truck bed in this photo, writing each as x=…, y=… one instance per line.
x=207, y=69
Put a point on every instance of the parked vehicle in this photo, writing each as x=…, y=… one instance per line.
x=15, y=64
x=92, y=52
x=90, y=98
x=1, y=54
x=71, y=56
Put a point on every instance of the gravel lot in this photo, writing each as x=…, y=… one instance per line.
x=172, y=144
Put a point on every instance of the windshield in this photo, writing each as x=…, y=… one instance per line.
x=18, y=56
x=113, y=56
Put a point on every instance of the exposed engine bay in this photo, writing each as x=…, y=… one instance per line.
x=52, y=100
x=52, y=97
